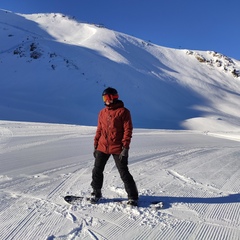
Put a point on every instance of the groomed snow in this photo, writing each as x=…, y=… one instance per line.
x=196, y=175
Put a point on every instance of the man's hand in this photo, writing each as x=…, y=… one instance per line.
x=124, y=153
x=95, y=152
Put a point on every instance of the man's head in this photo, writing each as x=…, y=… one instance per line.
x=110, y=95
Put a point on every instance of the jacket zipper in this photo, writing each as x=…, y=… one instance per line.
x=108, y=125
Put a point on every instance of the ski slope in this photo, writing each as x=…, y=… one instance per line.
x=195, y=174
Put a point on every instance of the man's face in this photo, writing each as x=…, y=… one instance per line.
x=108, y=98
x=108, y=102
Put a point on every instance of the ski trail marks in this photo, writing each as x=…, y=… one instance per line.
x=31, y=217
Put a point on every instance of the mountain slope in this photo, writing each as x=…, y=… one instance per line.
x=53, y=69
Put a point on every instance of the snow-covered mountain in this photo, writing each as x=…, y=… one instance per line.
x=54, y=69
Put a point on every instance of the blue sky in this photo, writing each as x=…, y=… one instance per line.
x=188, y=24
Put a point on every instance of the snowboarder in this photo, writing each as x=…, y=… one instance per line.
x=113, y=136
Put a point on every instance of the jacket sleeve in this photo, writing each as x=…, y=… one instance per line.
x=98, y=131
x=127, y=129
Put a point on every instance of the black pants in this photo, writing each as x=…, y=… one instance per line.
x=122, y=166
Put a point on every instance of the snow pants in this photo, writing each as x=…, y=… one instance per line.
x=122, y=166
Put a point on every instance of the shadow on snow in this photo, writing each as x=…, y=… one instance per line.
x=145, y=201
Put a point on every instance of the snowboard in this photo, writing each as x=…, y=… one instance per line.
x=71, y=199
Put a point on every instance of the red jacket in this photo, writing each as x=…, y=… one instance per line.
x=114, y=130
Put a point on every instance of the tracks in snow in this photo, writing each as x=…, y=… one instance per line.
x=197, y=205
x=32, y=208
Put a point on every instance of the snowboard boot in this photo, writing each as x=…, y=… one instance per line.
x=95, y=195
x=132, y=202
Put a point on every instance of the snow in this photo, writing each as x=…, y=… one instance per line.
x=185, y=147
x=194, y=174
x=74, y=62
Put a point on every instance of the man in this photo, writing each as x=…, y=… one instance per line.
x=113, y=136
